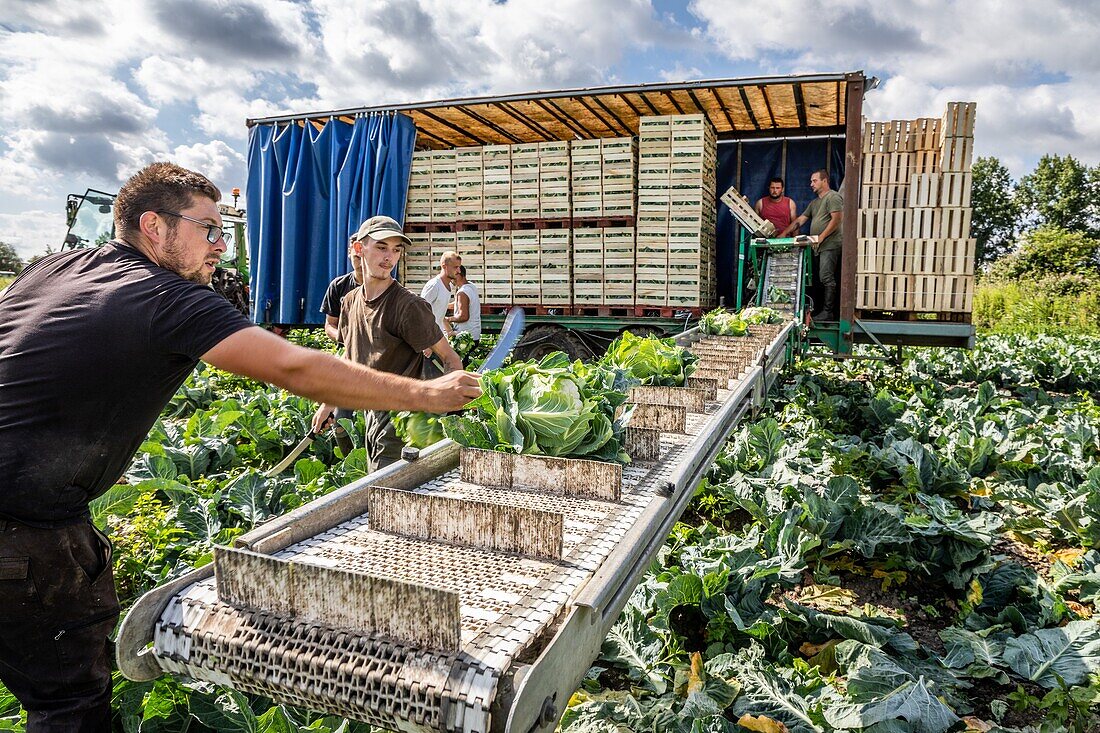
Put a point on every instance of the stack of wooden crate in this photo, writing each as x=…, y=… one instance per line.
x=618, y=166
x=469, y=184
x=444, y=185
x=555, y=267
x=525, y=181
x=586, y=172
x=676, y=211
x=496, y=164
x=471, y=246
x=418, y=204
x=603, y=266
x=915, y=249
x=554, y=200
x=415, y=268
x=619, y=255
x=497, y=286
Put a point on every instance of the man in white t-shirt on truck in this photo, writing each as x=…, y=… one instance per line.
x=467, y=314
x=437, y=291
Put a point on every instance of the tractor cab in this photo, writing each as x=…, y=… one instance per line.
x=91, y=222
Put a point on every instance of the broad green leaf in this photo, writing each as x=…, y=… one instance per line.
x=912, y=702
x=1050, y=656
x=632, y=644
x=118, y=500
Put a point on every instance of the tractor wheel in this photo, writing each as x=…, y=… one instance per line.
x=229, y=284
x=541, y=340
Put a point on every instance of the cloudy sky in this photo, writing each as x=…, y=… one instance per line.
x=91, y=90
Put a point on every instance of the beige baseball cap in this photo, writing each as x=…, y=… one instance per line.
x=381, y=227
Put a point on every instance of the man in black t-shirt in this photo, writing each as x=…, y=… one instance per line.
x=331, y=307
x=93, y=344
x=337, y=289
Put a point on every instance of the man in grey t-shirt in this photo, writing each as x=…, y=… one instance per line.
x=824, y=214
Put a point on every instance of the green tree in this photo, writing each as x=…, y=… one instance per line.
x=996, y=215
x=1062, y=192
x=9, y=259
x=1051, y=251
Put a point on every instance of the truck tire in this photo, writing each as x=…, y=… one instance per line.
x=643, y=331
x=543, y=339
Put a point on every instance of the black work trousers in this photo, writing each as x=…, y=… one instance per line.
x=58, y=607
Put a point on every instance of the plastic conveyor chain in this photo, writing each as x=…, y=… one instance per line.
x=418, y=598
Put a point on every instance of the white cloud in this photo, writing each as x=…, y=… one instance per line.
x=217, y=161
x=30, y=232
x=1031, y=67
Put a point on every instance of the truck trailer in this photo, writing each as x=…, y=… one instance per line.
x=597, y=210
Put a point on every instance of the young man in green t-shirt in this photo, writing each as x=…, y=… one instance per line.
x=824, y=214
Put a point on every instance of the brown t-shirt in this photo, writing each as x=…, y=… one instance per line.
x=390, y=332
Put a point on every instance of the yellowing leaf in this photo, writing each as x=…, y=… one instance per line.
x=824, y=655
x=761, y=724
x=1081, y=610
x=891, y=577
x=697, y=677
x=827, y=598
x=1069, y=556
x=974, y=597
x=976, y=725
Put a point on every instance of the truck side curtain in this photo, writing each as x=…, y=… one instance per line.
x=308, y=190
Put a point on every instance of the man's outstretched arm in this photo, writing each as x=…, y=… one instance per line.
x=320, y=376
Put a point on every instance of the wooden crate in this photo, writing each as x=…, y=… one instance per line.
x=884, y=223
x=895, y=254
x=955, y=189
x=926, y=161
x=924, y=257
x=956, y=153
x=928, y=292
x=924, y=190
x=889, y=196
x=958, y=294
x=869, y=256
x=870, y=289
x=924, y=223
x=958, y=119
x=954, y=223
x=957, y=256
x=926, y=133
x=899, y=291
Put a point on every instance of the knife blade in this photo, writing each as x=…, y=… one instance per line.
x=509, y=336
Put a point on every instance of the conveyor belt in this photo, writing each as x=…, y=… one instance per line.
x=527, y=626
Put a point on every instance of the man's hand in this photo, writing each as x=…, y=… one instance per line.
x=450, y=392
x=322, y=418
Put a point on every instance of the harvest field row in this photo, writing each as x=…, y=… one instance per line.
x=883, y=549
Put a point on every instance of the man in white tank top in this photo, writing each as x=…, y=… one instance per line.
x=467, y=312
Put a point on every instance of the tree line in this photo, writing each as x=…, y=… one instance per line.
x=1061, y=194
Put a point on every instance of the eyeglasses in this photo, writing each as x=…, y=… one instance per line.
x=213, y=231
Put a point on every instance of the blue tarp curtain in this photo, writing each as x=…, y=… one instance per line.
x=308, y=190
x=759, y=161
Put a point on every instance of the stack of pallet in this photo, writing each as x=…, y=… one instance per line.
x=915, y=250
x=676, y=211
